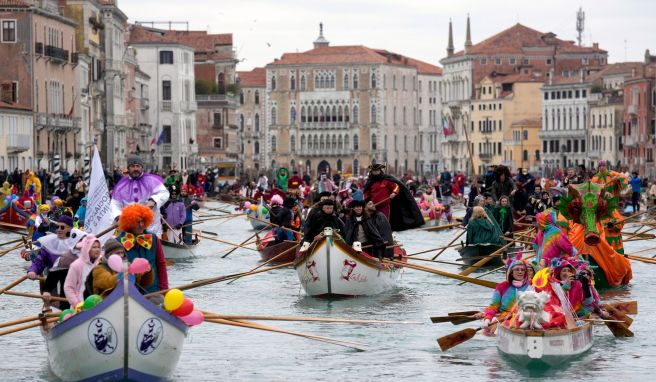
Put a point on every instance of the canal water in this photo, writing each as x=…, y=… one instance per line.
x=215, y=352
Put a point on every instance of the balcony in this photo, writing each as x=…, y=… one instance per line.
x=18, y=143
x=188, y=106
x=324, y=125
x=485, y=156
x=452, y=138
x=217, y=100
x=166, y=148
x=57, y=54
x=166, y=106
x=144, y=103
x=60, y=123
x=632, y=109
x=545, y=134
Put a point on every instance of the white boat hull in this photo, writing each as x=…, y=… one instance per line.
x=94, y=345
x=544, y=348
x=333, y=268
x=175, y=251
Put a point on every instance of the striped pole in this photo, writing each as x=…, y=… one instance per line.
x=87, y=169
x=56, y=169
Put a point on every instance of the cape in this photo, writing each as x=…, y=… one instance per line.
x=404, y=211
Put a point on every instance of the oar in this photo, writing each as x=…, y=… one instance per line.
x=593, y=320
x=228, y=243
x=13, y=283
x=450, y=243
x=440, y=227
x=618, y=329
x=19, y=240
x=432, y=249
x=648, y=260
x=435, y=261
x=26, y=319
x=455, y=319
x=32, y=295
x=626, y=307
x=455, y=339
x=485, y=283
x=271, y=260
x=27, y=326
x=485, y=260
x=245, y=241
x=251, y=325
x=6, y=251
x=301, y=318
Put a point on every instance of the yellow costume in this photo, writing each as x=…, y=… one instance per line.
x=33, y=180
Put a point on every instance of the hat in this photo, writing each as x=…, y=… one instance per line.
x=289, y=202
x=134, y=160
x=356, y=203
x=65, y=219
x=184, y=188
x=276, y=199
x=111, y=245
x=325, y=193
x=559, y=263
x=327, y=202
x=376, y=166
x=511, y=263
x=602, y=163
x=83, y=200
x=44, y=208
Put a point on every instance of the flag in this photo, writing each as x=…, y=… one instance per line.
x=99, y=211
x=447, y=126
x=160, y=140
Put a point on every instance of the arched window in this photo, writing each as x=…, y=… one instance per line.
x=356, y=167
x=405, y=121
x=339, y=143
x=292, y=143
x=302, y=142
x=292, y=82
x=273, y=144
x=316, y=142
x=347, y=142
x=373, y=113
x=577, y=118
x=346, y=81
x=257, y=123
x=355, y=80
x=321, y=142
x=221, y=83
x=355, y=114
x=334, y=114
x=315, y=116
x=274, y=116
x=525, y=155
x=303, y=82
x=332, y=80
x=570, y=119
x=321, y=114
x=241, y=98
x=292, y=114
x=273, y=82
x=303, y=116
x=257, y=97
x=340, y=114
x=346, y=114
x=339, y=165
x=525, y=134
x=374, y=144
x=373, y=79
x=241, y=122
x=256, y=147
x=356, y=143
x=308, y=167
x=334, y=145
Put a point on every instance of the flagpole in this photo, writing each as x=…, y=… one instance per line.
x=471, y=157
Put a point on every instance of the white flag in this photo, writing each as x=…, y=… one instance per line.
x=99, y=211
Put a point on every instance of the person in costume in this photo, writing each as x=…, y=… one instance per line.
x=393, y=199
x=323, y=218
x=503, y=215
x=617, y=181
x=40, y=225
x=294, y=205
x=173, y=214
x=81, y=212
x=325, y=184
x=140, y=187
x=295, y=182
x=139, y=242
x=482, y=230
x=581, y=303
x=104, y=279
x=5, y=191
x=361, y=227
x=502, y=184
x=190, y=205
x=551, y=241
x=282, y=177
x=56, y=253
x=33, y=185
x=26, y=200
x=505, y=294
x=90, y=255
x=281, y=217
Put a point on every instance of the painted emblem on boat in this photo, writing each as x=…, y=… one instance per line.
x=349, y=265
x=150, y=336
x=102, y=336
x=311, y=267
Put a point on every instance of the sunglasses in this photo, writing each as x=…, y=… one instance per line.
x=62, y=226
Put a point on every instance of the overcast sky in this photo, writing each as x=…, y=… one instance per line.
x=265, y=29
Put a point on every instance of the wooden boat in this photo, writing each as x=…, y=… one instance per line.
x=332, y=268
x=259, y=214
x=12, y=216
x=124, y=337
x=269, y=249
x=179, y=250
x=471, y=253
x=544, y=348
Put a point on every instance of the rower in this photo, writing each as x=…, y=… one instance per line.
x=325, y=217
x=369, y=228
x=190, y=206
x=281, y=217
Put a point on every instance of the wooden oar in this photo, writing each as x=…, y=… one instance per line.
x=19, y=240
x=648, y=260
x=27, y=326
x=26, y=319
x=32, y=295
x=450, y=243
x=432, y=249
x=251, y=325
x=228, y=243
x=274, y=258
x=485, y=283
x=626, y=307
x=245, y=241
x=440, y=227
x=13, y=226
x=485, y=260
x=455, y=339
x=435, y=261
x=455, y=320
x=600, y=320
x=302, y=318
x=13, y=283
x=6, y=251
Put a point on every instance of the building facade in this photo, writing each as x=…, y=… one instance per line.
x=171, y=95
x=639, y=131
x=251, y=120
x=429, y=122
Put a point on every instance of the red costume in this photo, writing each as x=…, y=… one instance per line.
x=380, y=193
x=294, y=182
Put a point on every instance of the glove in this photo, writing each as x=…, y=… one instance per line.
x=486, y=323
x=304, y=246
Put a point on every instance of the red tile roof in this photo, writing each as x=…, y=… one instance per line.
x=353, y=54
x=514, y=39
x=256, y=78
x=199, y=40
x=608, y=70
x=14, y=3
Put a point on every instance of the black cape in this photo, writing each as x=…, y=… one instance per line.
x=404, y=211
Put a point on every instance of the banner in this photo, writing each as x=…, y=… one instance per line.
x=99, y=211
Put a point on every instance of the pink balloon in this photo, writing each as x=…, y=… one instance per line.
x=66, y=317
x=247, y=204
x=194, y=318
x=116, y=263
x=139, y=266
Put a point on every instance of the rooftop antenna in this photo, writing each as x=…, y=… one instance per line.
x=580, y=25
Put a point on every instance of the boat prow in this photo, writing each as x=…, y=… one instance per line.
x=269, y=249
x=544, y=348
x=123, y=337
x=332, y=268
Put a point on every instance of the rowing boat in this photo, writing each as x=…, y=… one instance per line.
x=13, y=217
x=544, y=348
x=124, y=337
x=269, y=249
x=179, y=250
x=472, y=253
x=259, y=214
x=332, y=268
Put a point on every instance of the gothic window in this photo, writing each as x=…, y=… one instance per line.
x=273, y=144
x=292, y=114
x=355, y=114
x=340, y=114
x=241, y=98
x=346, y=113
x=273, y=82
x=321, y=142
x=346, y=81
x=303, y=82
x=302, y=142
x=257, y=123
x=303, y=116
x=292, y=143
x=356, y=167
x=356, y=143
x=257, y=97
x=347, y=142
x=355, y=81
x=339, y=142
x=241, y=122
x=334, y=145
x=374, y=144
x=373, y=79
x=274, y=118
x=256, y=147
x=315, y=116
x=316, y=142
x=373, y=113
x=321, y=114
x=292, y=82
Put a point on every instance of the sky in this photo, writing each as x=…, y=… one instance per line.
x=265, y=29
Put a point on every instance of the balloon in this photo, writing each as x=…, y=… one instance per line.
x=66, y=317
x=78, y=307
x=265, y=211
x=91, y=301
x=253, y=207
x=173, y=299
x=64, y=313
x=8, y=198
x=139, y=266
x=247, y=205
x=116, y=263
x=194, y=318
x=185, y=309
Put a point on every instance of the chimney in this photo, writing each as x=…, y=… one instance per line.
x=468, y=42
x=321, y=41
x=595, y=45
x=449, y=48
